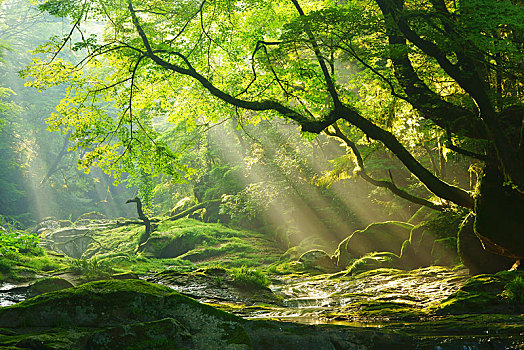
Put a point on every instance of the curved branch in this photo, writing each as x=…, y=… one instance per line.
x=433, y=183
x=265, y=105
x=464, y=152
x=390, y=185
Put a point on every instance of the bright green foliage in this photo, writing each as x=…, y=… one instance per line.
x=19, y=242
x=91, y=269
x=514, y=290
x=245, y=54
x=249, y=277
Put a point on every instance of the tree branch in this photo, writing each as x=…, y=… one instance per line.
x=390, y=185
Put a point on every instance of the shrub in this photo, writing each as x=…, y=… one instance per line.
x=19, y=241
x=514, y=290
x=248, y=277
x=92, y=269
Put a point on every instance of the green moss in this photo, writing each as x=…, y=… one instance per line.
x=103, y=303
x=94, y=215
x=382, y=237
x=482, y=294
x=373, y=261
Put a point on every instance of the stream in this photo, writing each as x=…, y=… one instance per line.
x=318, y=299
x=335, y=299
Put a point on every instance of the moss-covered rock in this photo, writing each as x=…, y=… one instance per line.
x=373, y=261
x=319, y=260
x=442, y=226
x=484, y=294
x=71, y=241
x=65, y=223
x=94, y=215
x=378, y=237
x=166, y=245
x=245, y=285
x=163, y=334
x=46, y=285
x=47, y=224
x=117, y=306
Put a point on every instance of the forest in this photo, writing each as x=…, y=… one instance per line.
x=299, y=174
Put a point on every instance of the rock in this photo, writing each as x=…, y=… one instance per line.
x=83, y=222
x=319, y=260
x=216, y=284
x=47, y=224
x=47, y=285
x=421, y=240
x=94, y=215
x=125, y=276
x=166, y=245
x=378, y=237
x=163, y=334
x=408, y=258
x=72, y=241
x=444, y=252
x=65, y=223
x=121, y=308
x=485, y=294
x=473, y=255
x=444, y=225
x=373, y=261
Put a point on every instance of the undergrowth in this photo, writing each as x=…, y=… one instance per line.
x=91, y=269
x=249, y=277
x=514, y=291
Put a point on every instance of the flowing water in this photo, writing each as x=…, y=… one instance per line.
x=11, y=294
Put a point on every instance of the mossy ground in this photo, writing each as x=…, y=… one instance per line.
x=208, y=244
x=114, y=250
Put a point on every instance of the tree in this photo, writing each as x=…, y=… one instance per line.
x=39, y=176
x=454, y=67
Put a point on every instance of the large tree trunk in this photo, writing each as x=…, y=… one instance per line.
x=473, y=254
x=499, y=220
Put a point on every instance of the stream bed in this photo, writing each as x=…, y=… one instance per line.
x=388, y=302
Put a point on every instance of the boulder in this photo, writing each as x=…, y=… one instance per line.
x=129, y=312
x=65, y=223
x=373, y=261
x=71, y=241
x=408, y=258
x=318, y=260
x=47, y=285
x=444, y=252
x=484, y=294
x=124, y=276
x=94, y=215
x=378, y=237
x=48, y=224
x=166, y=245
x=443, y=226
